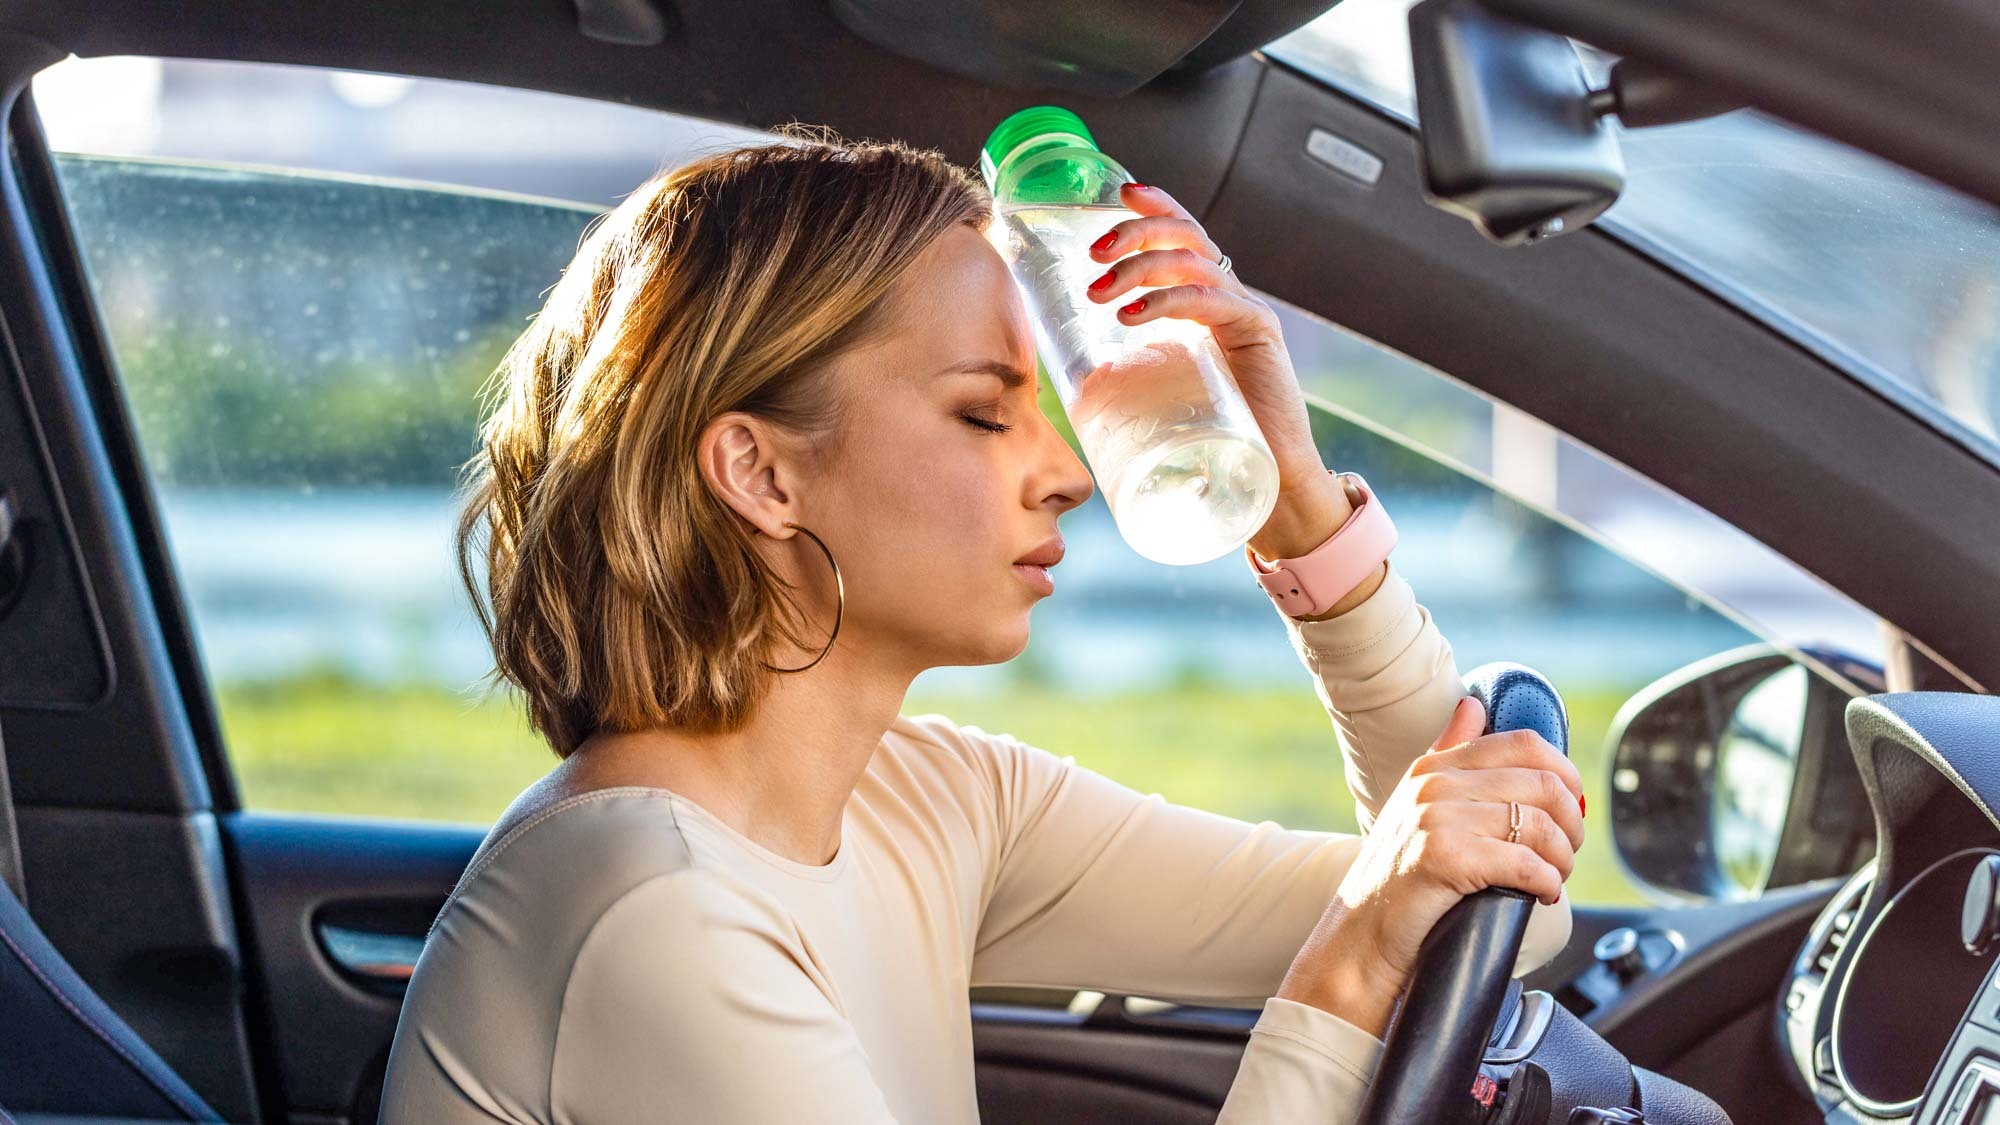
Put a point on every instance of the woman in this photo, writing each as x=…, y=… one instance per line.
x=752, y=890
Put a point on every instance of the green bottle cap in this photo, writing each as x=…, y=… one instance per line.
x=1026, y=125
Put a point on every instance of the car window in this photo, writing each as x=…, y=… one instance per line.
x=301, y=345
x=1890, y=276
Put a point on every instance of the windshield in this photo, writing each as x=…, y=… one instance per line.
x=1891, y=277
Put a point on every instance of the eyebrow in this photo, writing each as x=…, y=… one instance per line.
x=1009, y=375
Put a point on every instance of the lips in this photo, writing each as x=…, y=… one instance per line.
x=1048, y=554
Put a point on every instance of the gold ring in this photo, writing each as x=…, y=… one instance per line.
x=1513, y=822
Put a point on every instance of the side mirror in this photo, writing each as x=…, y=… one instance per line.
x=1733, y=774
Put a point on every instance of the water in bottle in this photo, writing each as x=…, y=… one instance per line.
x=1183, y=467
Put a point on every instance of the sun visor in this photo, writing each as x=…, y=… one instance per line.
x=1104, y=48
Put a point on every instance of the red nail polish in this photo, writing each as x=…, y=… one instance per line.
x=1139, y=187
x=1104, y=243
x=1581, y=809
x=1135, y=308
x=1103, y=283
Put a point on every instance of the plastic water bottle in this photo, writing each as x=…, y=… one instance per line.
x=1186, y=472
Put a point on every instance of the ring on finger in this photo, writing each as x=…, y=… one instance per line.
x=1513, y=822
x=1224, y=265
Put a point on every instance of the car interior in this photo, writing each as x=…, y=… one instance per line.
x=173, y=955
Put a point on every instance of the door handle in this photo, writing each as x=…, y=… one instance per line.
x=379, y=957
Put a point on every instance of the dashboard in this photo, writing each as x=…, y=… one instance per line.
x=1889, y=1013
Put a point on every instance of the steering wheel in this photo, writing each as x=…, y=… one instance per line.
x=1431, y=1056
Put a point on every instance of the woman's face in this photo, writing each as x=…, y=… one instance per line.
x=926, y=505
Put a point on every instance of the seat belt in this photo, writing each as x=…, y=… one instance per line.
x=10, y=843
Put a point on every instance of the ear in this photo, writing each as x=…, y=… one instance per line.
x=747, y=465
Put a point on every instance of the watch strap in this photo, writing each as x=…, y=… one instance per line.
x=1314, y=582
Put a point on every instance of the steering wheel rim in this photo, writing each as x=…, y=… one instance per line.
x=1431, y=1055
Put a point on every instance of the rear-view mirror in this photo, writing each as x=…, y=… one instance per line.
x=1506, y=130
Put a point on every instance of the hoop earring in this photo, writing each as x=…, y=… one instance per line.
x=840, y=608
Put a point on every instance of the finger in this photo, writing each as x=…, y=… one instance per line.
x=1467, y=720
x=1236, y=319
x=1154, y=232
x=1542, y=790
x=1512, y=748
x=1156, y=268
x=1514, y=867
x=1539, y=830
x=1149, y=200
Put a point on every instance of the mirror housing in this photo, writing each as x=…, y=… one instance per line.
x=1733, y=774
x=1510, y=132
x=1507, y=132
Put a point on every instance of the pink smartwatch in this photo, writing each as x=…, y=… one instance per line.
x=1309, y=585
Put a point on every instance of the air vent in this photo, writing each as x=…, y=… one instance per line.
x=1824, y=949
x=1806, y=997
x=1836, y=939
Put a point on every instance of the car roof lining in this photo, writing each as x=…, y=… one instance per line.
x=758, y=63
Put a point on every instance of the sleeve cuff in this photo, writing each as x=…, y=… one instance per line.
x=1302, y=1064
x=1343, y=1044
x=1353, y=644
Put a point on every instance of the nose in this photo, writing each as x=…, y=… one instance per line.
x=1067, y=477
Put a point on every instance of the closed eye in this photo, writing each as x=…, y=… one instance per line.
x=989, y=427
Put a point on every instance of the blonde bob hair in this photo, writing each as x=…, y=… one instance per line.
x=624, y=594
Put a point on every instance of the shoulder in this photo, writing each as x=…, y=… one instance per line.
x=964, y=744
x=552, y=866
x=1011, y=777
x=689, y=989
x=592, y=873
x=490, y=984
x=936, y=733
x=999, y=764
x=698, y=951
x=703, y=918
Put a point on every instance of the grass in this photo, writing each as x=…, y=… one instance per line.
x=322, y=744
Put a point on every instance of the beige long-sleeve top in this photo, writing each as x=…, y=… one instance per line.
x=622, y=956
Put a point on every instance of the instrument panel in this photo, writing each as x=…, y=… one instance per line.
x=1891, y=1012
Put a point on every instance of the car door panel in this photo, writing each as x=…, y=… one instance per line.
x=331, y=1027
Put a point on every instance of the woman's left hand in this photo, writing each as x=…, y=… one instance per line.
x=1166, y=247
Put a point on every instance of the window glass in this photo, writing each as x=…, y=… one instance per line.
x=1885, y=273
x=303, y=412
x=300, y=337
x=302, y=302
x=1757, y=755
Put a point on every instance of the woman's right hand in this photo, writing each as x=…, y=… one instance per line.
x=1441, y=835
